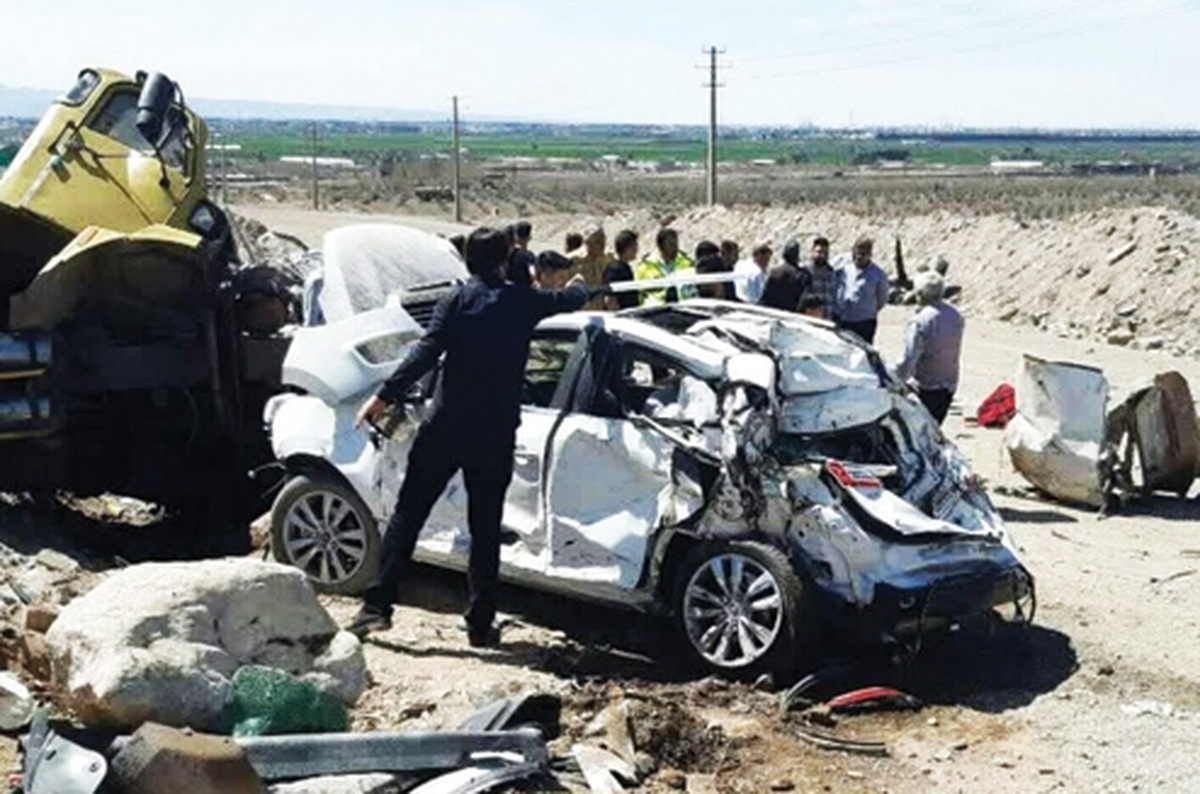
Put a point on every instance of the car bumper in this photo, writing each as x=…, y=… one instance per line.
x=899, y=613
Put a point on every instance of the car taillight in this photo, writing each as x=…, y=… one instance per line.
x=851, y=478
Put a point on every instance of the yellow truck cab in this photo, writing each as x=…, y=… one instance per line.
x=114, y=151
x=120, y=348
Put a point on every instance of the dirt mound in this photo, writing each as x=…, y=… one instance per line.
x=1126, y=277
x=677, y=738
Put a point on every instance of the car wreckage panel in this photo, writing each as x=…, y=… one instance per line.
x=1058, y=435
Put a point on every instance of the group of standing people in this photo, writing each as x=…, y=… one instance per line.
x=849, y=292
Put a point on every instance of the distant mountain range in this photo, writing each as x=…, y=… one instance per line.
x=32, y=102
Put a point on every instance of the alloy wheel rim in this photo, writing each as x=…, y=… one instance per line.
x=325, y=537
x=733, y=610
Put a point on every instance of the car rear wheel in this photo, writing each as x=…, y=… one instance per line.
x=741, y=607
x=322, y=527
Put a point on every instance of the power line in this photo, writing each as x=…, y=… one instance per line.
x=935, y=35
x=974, y=48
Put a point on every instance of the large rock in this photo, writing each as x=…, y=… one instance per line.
x=161, y=641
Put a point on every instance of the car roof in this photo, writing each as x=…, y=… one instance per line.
x=663, y=328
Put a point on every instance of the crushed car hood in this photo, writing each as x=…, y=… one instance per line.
x=364, y=263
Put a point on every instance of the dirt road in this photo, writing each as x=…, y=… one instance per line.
x=1100, y=695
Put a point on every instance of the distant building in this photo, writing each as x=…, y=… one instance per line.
x=322, y=162
x=1017, y=167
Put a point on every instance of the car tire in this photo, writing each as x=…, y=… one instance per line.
x=319, y=525
x=742, y=610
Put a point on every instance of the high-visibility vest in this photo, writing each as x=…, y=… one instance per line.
x=648, y=269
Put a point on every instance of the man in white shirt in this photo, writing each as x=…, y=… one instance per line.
x=752, y=274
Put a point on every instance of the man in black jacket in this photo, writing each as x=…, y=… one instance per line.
x=786, y=282
x=483, y=329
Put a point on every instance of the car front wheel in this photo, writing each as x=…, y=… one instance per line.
x=322, y=527
x=741, y=607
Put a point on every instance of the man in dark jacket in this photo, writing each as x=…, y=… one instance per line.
x=483, y=329
x=787, y=282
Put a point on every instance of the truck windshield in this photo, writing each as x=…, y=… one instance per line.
x=85, y=84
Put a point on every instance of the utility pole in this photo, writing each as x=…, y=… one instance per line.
x=457, y=167
x=315, y=187
x=712, y=85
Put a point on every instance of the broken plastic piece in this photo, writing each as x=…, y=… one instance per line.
x=540, y=711
x=871, y=698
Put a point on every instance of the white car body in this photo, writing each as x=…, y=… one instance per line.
x=767, y=427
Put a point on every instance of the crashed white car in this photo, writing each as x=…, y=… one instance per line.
x=753, y=473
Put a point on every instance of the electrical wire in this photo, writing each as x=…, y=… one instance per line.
x=974, y=48
x=938, y=34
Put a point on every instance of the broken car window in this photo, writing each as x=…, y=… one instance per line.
x=547, y=360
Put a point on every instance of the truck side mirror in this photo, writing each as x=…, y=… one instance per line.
x=153, y=102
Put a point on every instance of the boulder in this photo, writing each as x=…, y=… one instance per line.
x=161, y=642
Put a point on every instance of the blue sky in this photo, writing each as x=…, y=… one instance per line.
x=1057, y=63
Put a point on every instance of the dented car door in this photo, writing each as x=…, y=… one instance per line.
x=607, y=475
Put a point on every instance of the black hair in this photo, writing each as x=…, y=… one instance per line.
x=487, y=250
x=459, y=241
x=706, y=248
x=624, y=239
x=713, y=263
x=573, y=240
x=791, y=253
x=811, y=302
x=553, y=260
x=664, y=234
x=522, y=230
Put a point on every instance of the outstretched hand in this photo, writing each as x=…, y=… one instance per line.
x=370, y=411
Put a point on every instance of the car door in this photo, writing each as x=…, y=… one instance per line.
x=524, y=549
x=608, y=476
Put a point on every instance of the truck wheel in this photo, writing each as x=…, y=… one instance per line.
x=742, y=609
x=323, y=528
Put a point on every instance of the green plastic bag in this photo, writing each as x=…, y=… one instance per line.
x=265, y=701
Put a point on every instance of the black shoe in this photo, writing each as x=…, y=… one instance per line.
x=368, y=620
x=488, y=637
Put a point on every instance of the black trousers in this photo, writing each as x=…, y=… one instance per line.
x=437, y=453
x=864, y=328
x=936, y=401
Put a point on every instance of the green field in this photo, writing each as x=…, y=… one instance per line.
x=372, y=146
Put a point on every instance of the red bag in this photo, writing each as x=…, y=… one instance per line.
x=999, y=407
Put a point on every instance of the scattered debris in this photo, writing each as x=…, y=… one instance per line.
x=312, y=755
x=375, y=783
x=872, y=699
x=264, y=701
x=539, y=710
x=16, y=703
x=1057, y=437
x=55, y=765
x=829, y=741
x=604, y=771
x=1065, y=444
x=158, y=758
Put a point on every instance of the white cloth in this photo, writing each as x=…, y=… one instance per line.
x=750, y=279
